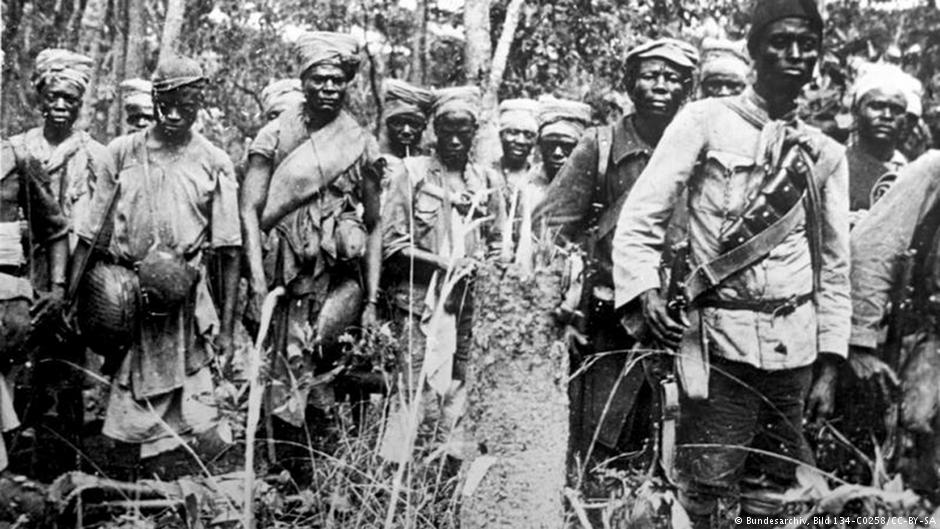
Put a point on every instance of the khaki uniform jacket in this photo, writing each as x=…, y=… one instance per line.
x=710, y=152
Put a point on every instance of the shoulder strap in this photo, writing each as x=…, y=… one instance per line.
x=712, y=273
x=608, y=220
x=605, y=142
x=753, y=118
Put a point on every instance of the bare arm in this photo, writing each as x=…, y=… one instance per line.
x=229, y=257
x=254, y=194
x=372, y=217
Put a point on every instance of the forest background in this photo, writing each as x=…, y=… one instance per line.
x=511, y=48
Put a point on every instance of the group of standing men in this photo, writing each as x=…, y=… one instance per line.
x=352, y=230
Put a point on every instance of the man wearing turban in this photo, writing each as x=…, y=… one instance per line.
x=561, y=123
x=763, y=318
x=582, y=203
x=312, y=186
x=71, y=163
x=724, y=68
x=406, y=108
x=280, y=95
x=173, y=196
x=881, y=98
x=430, y=223
x=518, y=129
x=137, y=95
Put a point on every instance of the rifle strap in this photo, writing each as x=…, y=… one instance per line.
x=71, y=295
x=608, y=221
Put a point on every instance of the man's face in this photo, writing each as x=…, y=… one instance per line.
x=60, y=102
x=555, y=149
x=660, y=88
x=722, y=85
x=177, y=111
x=786, y=53
x=881, y=116
x=405, y=131
x=139, y=118
x=325, y=88
x=517, y=143
x=454, y=137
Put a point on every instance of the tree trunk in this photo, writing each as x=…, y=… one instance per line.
x=172, y=26
x=118, y=67
x=487, y=145
x=419, y=46
x=136, y=52
x=92, y=23
x=517, y=399
x=477, y=48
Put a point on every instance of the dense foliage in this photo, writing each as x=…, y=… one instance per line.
x=568, y=47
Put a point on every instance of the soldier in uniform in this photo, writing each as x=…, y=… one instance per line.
x=25, y=192
x=324, y=241
x=278, y=96
x=406, y=117
x=562, y=122
x=137, y=96
x=768, y=297
x=518, y=131
x=582, y=203
x=73, y=163
x=880, y=105
x=173, y=197
x=724, y=68
x=427, y=230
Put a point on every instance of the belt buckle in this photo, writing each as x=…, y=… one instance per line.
x=786, y=308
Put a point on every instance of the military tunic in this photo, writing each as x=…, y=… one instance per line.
x=715, y=154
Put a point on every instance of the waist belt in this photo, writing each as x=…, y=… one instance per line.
x=777, y=307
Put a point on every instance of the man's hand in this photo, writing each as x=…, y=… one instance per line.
x=224, y=348
x=369, y=318
x=575, y=339
x=47, y=305
x=868, y=367
x=822, y=395
x=665, y=329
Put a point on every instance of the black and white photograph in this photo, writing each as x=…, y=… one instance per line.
x=470, y=264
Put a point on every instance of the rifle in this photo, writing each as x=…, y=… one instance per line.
x=668, y=397
x=899, y=324
x=901, y=307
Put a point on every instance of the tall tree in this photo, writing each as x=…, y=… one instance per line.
x=118, y=65
x=477, y=48
x=172, y=27
x=486, y=67
x=89, y=43
x=136, y=43
x=419, y=45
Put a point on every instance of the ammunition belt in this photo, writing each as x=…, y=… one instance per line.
x=777, y=307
